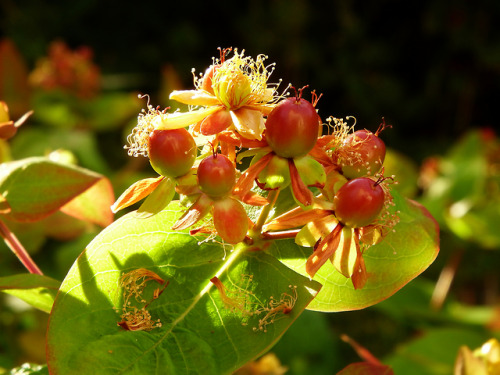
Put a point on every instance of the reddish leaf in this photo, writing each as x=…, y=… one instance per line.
x=37, y=187
x=366, y=368
x=136, y=192
x=93, y=205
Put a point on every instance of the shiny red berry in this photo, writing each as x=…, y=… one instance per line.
x=216, y=175
x=292, y=127
x=358, y=202
x=363, y=154
x=171, y=152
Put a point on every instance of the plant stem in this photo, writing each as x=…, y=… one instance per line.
x=445, y=280
x=18, y=249
x=272, y=196
x=280, y=235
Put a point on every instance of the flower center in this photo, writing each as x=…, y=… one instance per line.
x=242, y=81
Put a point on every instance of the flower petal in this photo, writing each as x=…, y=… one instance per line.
x=216, y=122
x=159, y=199
x=194, y=214
x=179, y=120
x=314, y=230
x=137, y=191
x=194, y=97
x=301, y=193
x=325, y=250
x=249, y=123
x=359, y=275
x=345, y=257
x=296, y=218
x=245, y=182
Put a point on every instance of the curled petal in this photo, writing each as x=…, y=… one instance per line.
x=135, y=193
x=324, y=251
x=230, y=220
x=249, y=123
x=359, y=275
x=159, y=198
x=216, y=122
x=319, y=154
x=300, y=191
x=254, y=199
x=194, y=214
x=310, y=171
x=194, y=97
x=179, y=120
x=345, y=257
x=235, y=139
x=296, y=218
x=245, y=182
x=314, y=230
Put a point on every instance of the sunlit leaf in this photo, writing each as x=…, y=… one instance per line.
x=37, y=187
x=399, y=258
x=201, y=330
x=37, y=290
x=93, y=205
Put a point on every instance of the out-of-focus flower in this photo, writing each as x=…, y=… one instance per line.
x=64, y=69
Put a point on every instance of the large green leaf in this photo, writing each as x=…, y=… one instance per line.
x=199, y=333
x=36, y=187
x=391, y=264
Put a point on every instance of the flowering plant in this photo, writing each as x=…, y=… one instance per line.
x=261, y=208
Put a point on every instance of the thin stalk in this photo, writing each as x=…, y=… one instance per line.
x=281, y=235
x=445, y=280
x=272, y=196
x=18, y=249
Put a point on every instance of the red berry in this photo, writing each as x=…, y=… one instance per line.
x=358, y=202
x=363, y=154
x=171, y=152
x=216, y=175
x=292, y=128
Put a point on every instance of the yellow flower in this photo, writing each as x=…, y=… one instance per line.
x=237, y=98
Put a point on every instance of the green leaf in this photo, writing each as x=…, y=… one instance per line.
x=199, y=333
x=36, y=187
x=433, y=352
x=37, y=290
x=111, y=110
x=30, y=369
x=391, y=264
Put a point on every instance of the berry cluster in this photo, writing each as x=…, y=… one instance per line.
x=335, y=175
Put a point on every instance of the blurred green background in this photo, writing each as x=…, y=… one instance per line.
x=430, y=68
